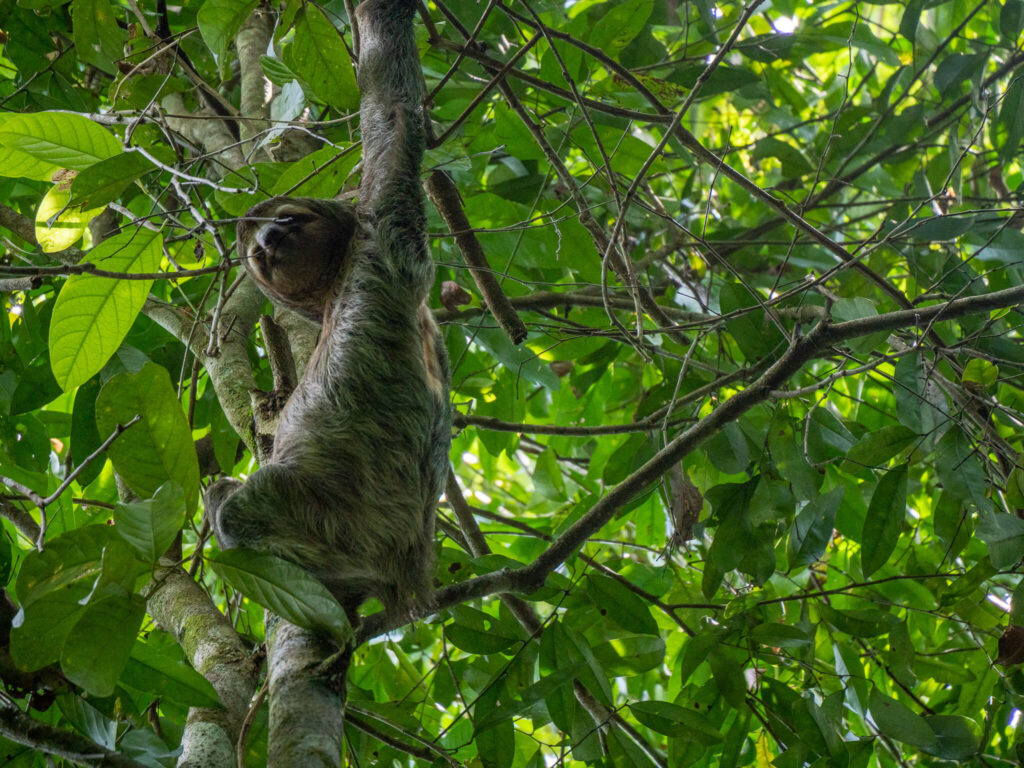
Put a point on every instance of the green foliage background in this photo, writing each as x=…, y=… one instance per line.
x=822, y=580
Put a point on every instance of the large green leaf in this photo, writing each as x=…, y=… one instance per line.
x=288, y=590
x=159, y=447
x=897, y=721
x=620, y=604
x=98, y=39
x=93, y=314
x=319, y=56
x=97, y=647
x=59, y=139
x=104, y=182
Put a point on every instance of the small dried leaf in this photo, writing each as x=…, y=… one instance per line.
x=561, y=367
x=63, y=178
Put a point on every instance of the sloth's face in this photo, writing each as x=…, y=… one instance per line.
x=294, y=247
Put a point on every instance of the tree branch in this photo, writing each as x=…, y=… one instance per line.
x=445, y=198
x=18, y=727
x=213, y=647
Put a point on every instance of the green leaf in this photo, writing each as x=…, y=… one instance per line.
x=59, y=226
x=15, y=163
x=617, y=28
x=85, y=437
x=898, y=722
x=777, y=635
x=734, y=534
x=728, y=450
x=104, y=182
x=885, y=516
x=621, y=605
x=93, y=314
x=812, y=528
x=631, y=655
x=520, y=360
x=97, y=647
x=1004, y=535
x=152, y=670
x=877, y=447
x=911, y=17
x=729, y=678
x=88, y=720
x=527, y=698
x=320, y=174
x=150, y=526
x=39, y=631
x=219, y=21
x=956, y=68
x=1011, y=22
x=475, y=631
x=867, y=622
x=98, y=39
x=288, y=590
x=792, y=161
x=276, y=71
x=74, y=557
x=755, y=334
x=1011, y=118
x=59, y=139
x=547, y=476
x=957, y=737
x=319, y=56
x=959, y=469
x=913, y=404
x=673, y=720
x=159, y=447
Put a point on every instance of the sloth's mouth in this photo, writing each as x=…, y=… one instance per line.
x=263, y=258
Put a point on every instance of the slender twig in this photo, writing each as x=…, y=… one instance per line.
x=43, y=503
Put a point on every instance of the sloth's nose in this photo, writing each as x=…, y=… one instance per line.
x=269, y=235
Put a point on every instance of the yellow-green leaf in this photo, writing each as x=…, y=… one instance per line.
x=68, y=226
x=93, y=314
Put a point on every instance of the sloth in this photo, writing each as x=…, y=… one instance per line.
x=361, y=450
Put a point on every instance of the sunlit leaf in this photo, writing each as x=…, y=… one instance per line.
x=59, y=139
x=93, y=314
x=58, y=224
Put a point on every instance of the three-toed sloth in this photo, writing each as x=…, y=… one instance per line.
x=361, y=450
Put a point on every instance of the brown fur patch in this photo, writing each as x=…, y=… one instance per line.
x=429, y=333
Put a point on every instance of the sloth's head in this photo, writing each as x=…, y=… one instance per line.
x=293, y=247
